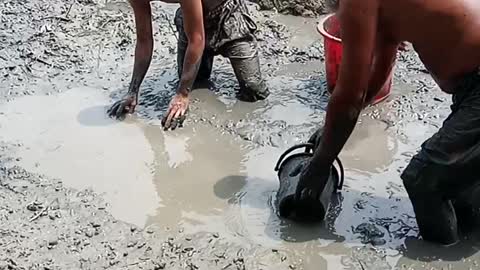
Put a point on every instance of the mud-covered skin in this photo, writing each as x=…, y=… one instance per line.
x=125, y=105
x=306, y=8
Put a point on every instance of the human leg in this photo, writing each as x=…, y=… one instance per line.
x=243, y=55
x=434, y=212
x=447, y=165
x=467, y=209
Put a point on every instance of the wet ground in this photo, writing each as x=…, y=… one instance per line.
x=209, y=185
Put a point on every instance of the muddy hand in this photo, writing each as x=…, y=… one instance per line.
x=287, y=205
x=125, y=105
x=311, y=184
x=175, y=114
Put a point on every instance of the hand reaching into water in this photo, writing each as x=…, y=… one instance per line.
x=176, y=112
x=311, y=183
x=122, y=107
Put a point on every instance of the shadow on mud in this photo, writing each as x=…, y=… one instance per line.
x=95, y=116
x=417, y=249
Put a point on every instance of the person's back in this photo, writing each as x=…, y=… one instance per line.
x=446, y=34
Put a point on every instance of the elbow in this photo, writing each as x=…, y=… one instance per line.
x=351, y=105
x=197, y=42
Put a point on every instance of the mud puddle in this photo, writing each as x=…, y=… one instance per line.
x=303, y=30
x=216, y=174
x=69, y=137
x=204, y=180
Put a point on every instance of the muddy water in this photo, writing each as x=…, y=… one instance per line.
x=216, y=174
x=68, y=137
x=202, y=179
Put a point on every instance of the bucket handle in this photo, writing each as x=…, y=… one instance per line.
x=342, y=174
x=308, y=148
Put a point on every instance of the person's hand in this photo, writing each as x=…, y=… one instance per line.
x=308, y=190
x=176, y=111
x=311, y=183
x=125, y=105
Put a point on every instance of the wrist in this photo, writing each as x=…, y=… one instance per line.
x=319, y=163
x=132, y=91
x=185, y=92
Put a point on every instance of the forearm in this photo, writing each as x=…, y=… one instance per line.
x=191, y=65
x=144, y=45
x=143, y=57
x=341, y=118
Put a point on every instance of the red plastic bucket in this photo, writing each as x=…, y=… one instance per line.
x=329, y=28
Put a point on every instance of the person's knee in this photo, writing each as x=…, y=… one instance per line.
x=252, y=85
x=253, y=90
x=419, y=178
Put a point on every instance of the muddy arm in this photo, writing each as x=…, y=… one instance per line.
x=383, y=63
x=194, y=30
x=144, y=46
x=358, y=21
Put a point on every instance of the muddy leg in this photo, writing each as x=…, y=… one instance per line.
x=434, y=212
x=447, y=165
x=467, y=209
x=243, y=55
x=205, y=69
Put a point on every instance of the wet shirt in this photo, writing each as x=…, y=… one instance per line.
x=209, y=5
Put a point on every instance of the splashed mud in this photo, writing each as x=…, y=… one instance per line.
x=212, y=179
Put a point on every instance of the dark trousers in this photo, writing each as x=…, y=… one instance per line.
x=443, y=179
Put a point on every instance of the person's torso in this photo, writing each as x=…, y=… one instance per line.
x=445, y=33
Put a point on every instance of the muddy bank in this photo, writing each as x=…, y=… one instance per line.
x=211, y=182
x=47, y=226
x=305, y=8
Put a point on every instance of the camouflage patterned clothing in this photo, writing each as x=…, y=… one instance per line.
x=230, y=32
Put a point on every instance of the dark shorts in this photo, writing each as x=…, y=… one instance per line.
x=441, y=177
x=230, y=32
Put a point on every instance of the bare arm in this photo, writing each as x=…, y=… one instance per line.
x=194, y=30
x=358, y=20
x=143, y=57
x=144, y=46
x=383, y=62
x=193, y=26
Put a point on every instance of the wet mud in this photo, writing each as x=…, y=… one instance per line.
x=296, y=7
x=82, y=191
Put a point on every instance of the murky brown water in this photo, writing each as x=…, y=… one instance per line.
x=202, y=179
